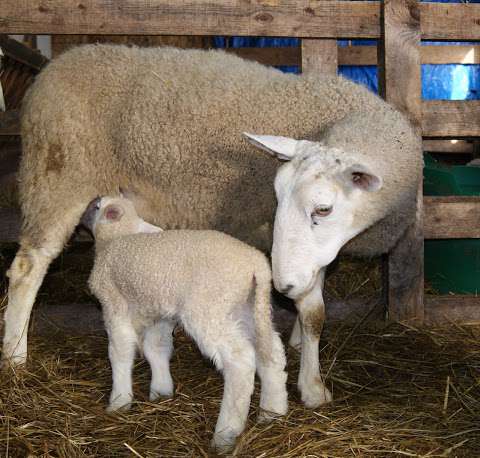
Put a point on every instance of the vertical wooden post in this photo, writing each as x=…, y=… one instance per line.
x=320, y=56
x=400, y=84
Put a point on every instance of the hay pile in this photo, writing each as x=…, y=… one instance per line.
x=398, y=392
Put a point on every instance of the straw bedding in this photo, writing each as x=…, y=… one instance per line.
x=399, y=391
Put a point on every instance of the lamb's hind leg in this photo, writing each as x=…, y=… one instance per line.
x=39, y=245
x=157, y=348
x=273, y=397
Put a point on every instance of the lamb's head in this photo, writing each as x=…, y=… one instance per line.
x=319, y=190
x=112, y=217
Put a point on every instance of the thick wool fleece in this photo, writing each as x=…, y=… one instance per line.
x=204, y=279
x=168, y=123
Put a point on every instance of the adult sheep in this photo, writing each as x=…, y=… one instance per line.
x=168, y=123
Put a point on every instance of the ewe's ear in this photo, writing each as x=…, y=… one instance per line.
x=283, y=148
x=360, y=177
x=113, y=213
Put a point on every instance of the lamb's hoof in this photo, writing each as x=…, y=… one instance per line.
x=265, y=416
x=120, y=403
x=297, y=346
x=223, y=444
x=164, y=392
x=315, y=395
x=155, y=396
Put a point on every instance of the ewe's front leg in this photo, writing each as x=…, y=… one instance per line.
x=122, y=342
x=26, y=275
x=311, y=309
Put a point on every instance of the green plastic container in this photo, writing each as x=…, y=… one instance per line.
x=452, y=265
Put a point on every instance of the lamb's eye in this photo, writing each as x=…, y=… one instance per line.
x=321, y=211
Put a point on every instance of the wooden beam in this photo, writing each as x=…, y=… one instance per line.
x=450, y=54
x=451, y=118
x=360, y=55
x=10, y=227
x=448, y=146
x=21, y=53
x=286, y=55
x=450, y=21
x=320, y=19
x=400, y=84
x=463, y=309
x=9, y=123
x=452, y=217
x=319, y=56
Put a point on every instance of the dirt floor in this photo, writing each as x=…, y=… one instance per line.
x=398, y=391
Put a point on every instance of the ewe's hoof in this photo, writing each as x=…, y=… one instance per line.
x=315, y=395
x=13, y=362
x=223, y=444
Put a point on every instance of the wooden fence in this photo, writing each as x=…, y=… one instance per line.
x=398, y=25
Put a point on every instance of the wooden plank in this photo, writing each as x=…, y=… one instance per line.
x=360, y=55
x=286, y=55
x=321, y=19
x=453, y=54
x=463, y=309
x=400, y=84
x=60, y=43
x=452, y=217
x=450, y=21
x=451, y=118
x=10, y=226
x=21, y=53
x=9, y=160
x=304, y=18
x=9, y=123
x=448, y=146
x=319, y=56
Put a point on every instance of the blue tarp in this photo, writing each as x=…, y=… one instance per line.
x=447, y=82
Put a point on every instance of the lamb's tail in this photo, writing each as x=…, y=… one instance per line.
x=263, y=311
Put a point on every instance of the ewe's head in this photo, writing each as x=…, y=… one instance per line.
x=112, y=217
x=318, y=191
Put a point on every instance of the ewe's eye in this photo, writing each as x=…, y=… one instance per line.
x=320, y=212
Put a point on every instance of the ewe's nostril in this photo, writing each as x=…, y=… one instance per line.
x=286, y=289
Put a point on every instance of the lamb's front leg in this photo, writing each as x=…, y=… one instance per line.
x=311, y=310
x=122, y=342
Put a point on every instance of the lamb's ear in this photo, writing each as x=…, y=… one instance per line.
x=283, y=148
x=147, y=228
x=113, y=213
x=358, y=176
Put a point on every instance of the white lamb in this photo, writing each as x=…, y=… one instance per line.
x=217, y=287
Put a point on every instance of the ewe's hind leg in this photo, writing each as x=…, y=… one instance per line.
x=273, y=397
x=157, y=348
x=122, y=343
x=311, y=311
x=39, y=245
